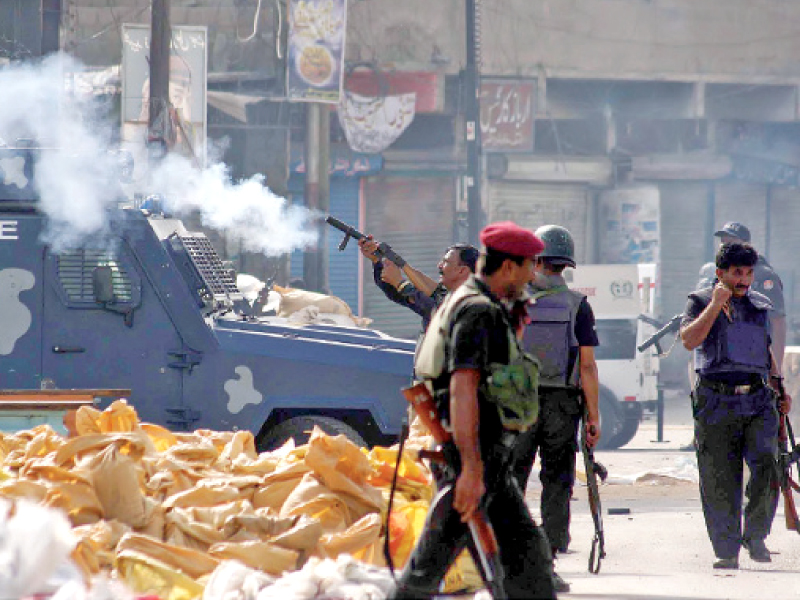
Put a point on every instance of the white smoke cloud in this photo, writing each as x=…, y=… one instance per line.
x=265, y=222
x=76, y=174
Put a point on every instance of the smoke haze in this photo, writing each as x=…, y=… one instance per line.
x=76, y=174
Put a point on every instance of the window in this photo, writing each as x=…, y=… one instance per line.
x=617, y=339
x=75, y=270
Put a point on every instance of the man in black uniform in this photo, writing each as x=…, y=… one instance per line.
x=561, y=334
x=735, y=414
x=468, y=348
x=418, y=292
x=765, y=281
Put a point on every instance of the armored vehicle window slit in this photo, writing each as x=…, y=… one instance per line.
x=75, y=271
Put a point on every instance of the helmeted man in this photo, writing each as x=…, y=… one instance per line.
x=467, y=356
x=411, y=288
x=736, y=420
x=561, y=334
x=765, y=281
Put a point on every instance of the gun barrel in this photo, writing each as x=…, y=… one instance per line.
x=344, y=227
x=673, y=324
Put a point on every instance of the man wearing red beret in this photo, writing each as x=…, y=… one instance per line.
x=484, y=388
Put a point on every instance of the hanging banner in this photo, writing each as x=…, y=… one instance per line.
x=507, y=115
x=187, y=90
x=314, y=69
x=371, y=125
x=629, y=225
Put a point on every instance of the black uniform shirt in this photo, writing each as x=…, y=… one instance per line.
x=480, y=337
x=585, y=331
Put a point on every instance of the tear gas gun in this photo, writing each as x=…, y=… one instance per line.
x=788, y=455
x=384, y=250
x=674, y=324
x=480, y=528
x=594, y=470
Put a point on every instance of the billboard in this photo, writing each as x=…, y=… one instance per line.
x=507, y=115
x=315, y=58
x=187, y=89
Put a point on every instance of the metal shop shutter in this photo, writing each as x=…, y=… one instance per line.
x=784, y=243
x=416, y=216
x=743, y=202
x=683, y=247
x=342, y=266
x=532, y=205
x=683, y=241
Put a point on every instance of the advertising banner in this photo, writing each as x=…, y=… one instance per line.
x=629, y=225
x=314, y=66
x=507, y=115
x=187, y=89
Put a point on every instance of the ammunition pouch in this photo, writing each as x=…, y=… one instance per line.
x=514, y=390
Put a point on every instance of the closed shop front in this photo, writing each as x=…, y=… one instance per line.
x=737, y=200
x=684, y=244
x=416, y=216
x=783, y=246
x=533, y=204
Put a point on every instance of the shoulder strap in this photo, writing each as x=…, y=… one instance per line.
x=548, y=292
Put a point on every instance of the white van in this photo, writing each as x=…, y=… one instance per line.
x=618, y=294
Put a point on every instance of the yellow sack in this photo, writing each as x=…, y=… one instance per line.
x=117, y=418
x=263, y=556
x=203, y=496
x=278, y=486
x=163, y=439
x=146, y=575
x=115, y=479
x=242, y=444
x=314, y=499
x=405, y=525
x=342, y=467
x=77, y=500
x=358, y=536
x=192, y=563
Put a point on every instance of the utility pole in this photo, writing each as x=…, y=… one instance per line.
x=472, y=131
x=311, y=256
x=51, y=20
x=324, y=193
x=159, y=123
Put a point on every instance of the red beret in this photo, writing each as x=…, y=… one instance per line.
x=508, y=237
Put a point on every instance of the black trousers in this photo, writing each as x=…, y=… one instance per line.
x=524, y=551
x=554, y=437
x=730, y=431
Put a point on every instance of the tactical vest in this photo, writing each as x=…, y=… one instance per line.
x=741, y=346
x=550, y=335
x=511, y=387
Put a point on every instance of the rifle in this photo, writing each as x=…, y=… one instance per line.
x=786, y=458
x=673, y=324
x=593, y=470
x=384, y=250
x=480, y=528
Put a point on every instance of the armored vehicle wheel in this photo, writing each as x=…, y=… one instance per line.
x=627, y=431
x=300, y=429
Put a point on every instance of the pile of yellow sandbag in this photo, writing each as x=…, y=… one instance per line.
x=163, y=510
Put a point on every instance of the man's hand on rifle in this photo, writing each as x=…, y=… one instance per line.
x=368, y=247
x=592, y=425
x=469, y=490
x=784, y=399
x=391, y=273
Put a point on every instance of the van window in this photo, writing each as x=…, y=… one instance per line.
x=617, y=339
x=75, y=271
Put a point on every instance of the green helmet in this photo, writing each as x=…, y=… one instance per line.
x=558, y=245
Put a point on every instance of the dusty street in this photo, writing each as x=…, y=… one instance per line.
x=660, y=550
